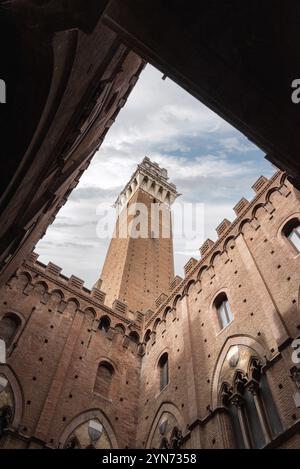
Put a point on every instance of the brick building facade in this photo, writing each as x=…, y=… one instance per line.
x=207, y=361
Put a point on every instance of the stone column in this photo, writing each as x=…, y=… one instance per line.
x=238, y=402
x=253, y=389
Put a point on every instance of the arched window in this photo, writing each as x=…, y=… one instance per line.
x=224, y=312
x=90, y=434
x=104, y=323
x=163, y=370
x=119, y=328
x=9, y=325
x=147, y=335
x=103, y=380
x=6, y=405
x=250, y=404
x=134, y=337
x=292, y=232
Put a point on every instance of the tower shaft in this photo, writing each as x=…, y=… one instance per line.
x=139, y=263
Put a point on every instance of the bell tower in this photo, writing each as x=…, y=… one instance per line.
x=139, y=264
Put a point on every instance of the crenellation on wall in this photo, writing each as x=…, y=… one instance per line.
x=259, y=184
x=175, y=282
x=120, y=307
x=241, y=206
x=206, y=247
x=161, y=299
x=74, y=286
x=98, y=295
x=75, y=282
x=189, y=265
x=53, y=269
x=223, y=227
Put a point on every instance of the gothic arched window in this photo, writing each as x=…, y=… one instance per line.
x=134, y=337
x=163, y=366
x=147, y=336
x=9, y=325
x=120, y=329
x=292, y=232
x=223, y=309
x=103, y=380
x=250, y=404
x=6, y=404
x=104, y=323
x=90, y=434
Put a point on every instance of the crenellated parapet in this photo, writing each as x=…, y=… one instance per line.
x=151, y=178
x=175, y=282
x=246, y=213
x=68, y=294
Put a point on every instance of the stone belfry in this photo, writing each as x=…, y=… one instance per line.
x=139, y=264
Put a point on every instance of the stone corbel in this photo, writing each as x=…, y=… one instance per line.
x=45, y=298
x=28, y=289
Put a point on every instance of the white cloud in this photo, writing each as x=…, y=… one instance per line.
x=201, y=152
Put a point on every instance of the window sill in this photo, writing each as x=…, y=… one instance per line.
x=224, y=328
x=162, y=390
x=102, y=397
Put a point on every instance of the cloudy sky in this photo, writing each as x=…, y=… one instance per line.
x=210, y=162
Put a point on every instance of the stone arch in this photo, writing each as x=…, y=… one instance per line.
x=73, y=300
x=134, y=337
x=201, y=270
x=14, y=312
x=188, y=286
x=284, y=227
x=176, y=299
x=90, y=311
x=104, y=323
x=41, y=282
x=284, y=223
x=147, y=336
x=167, y=310
x=283, y=178
x=213, y=257
x=19, y=320
x=120, y=328
x=84, y=417
x=25, y=274
x=243, y=224
x=227, y=241
x=71, y=306
x=156, y=323
x=57, y=292
x=40, y=288
x=23, y=279
x=256, y=208
x=271, y=191
x=9, y=374
x=165, y=407
x=245, y=340
x=104, y=377
x=102, y=359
